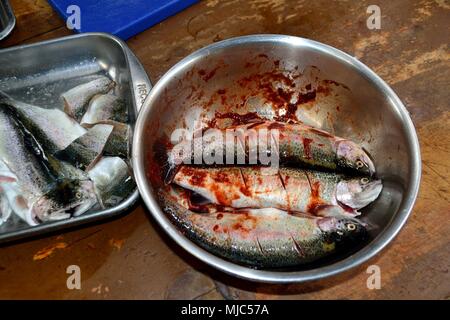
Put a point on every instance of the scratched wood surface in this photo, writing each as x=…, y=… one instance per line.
x=129, y=257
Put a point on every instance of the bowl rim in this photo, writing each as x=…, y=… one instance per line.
x=247, y=273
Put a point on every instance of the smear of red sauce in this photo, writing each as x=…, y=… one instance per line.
x=321, y=133
x=212, y=123
x=245, y=224
x=237, y=226
x=254, y=124
x=335, y=83
x=237, y=118
x=221, y=177
x=306, y=97
x=307, y=147
x=245, y=191
x=222, y=197
x=276, y=125
x=277, y=97
x=208, y=75
x=203, y=208
x=196, y=177
x=315, y=202
x=324, y=90
x=289, y=115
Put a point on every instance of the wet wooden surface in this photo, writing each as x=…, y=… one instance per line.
x=130, y=258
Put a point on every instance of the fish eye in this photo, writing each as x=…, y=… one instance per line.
x=364, y=180
x=78, y=195
x=351, y=226
x=359, y=164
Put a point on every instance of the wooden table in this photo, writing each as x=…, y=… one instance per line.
x=130, y=258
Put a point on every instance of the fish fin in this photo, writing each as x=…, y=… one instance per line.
x=5, y=209
x=368, y=225
x=259, y=246
x=170, y=173
x=282, y=181
x=243, y=178
x=302, y=215
x=297, y=247
x=4, y=97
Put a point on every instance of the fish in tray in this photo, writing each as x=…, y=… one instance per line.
x=297, y=144
x=51, y=127
x=118, y=142
x=5, y=208
x=36, y=185
x=109, y=109
x=112, y=179
x=293, y=190
x=84, y=152
x=52, y=167
x=269, y=238
x=77, y=99
x=105, y=107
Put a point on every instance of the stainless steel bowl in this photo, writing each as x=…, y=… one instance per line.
x=7, y=19
x=362, y=107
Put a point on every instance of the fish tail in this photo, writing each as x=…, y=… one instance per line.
x=5, y=98
x=169, y=172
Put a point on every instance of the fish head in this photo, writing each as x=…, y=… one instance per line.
x=353, y=157
x=357, y=193
x=67, y=199
x=343, y=232
x=87, y=197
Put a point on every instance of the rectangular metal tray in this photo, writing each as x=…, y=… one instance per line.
x=7, y=19
x=39, y=73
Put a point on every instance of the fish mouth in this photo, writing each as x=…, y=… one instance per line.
x=337, y=230
x=84, y=206
x=49, y=208
x=355, y=158
x=43, y=210
x=368, y=162
x=358, y=199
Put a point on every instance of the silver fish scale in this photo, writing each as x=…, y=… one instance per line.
x=32, y=173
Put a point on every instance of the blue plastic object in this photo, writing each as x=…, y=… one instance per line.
x=123, y=18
